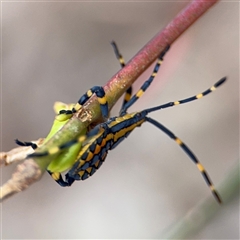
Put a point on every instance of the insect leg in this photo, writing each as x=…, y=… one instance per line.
x=100, y=93
x=26, y=144
x=128, y=93
x=187, y=150
x=58, y=178
x=146, y=84
x=190, y=99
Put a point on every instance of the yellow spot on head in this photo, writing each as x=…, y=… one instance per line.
x=199, y=95
x=53, y=150
x=139, y=93
x=178, y=141
x=200, y=167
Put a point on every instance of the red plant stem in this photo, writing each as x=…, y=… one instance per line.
x=119, y=83
x=114, y=90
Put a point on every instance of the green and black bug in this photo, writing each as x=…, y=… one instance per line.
x=107, y=135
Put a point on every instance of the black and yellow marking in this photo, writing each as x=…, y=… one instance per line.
x=190, y=99
x=146, y=84
x=106, y=136
x=190, y=154
x=100, y=93
x=119, y=56
x=26, y=144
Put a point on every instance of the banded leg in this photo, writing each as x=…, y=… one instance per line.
x=190, y=99
x=187, y=150
x=146, y=84
x=100, y=93
x=58, y=178
x=128, y=93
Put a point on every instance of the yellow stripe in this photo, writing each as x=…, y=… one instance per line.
x=139, y=93
x=154, y=74
x=81, y=173
x=176, y=103
x=102, y=100
x=77, y=106
x=89, y=170
x=199, y=95
x=81, y=138
x=96, y=164
x=178, y=141
x=127, y=97
x=89, y=93
x=121, y=60
x=200, y=167
x=97, y=149
x=212, y=188
x=212, y=88
x=81, y=162
x=90, y=156
x=160, y=61
x=55, y=175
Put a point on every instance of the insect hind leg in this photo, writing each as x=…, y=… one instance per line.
x=187, y=150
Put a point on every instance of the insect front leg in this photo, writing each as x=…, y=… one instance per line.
x=101, y=97
x=26, y=144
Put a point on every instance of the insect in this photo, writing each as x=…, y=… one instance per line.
x=107, y=135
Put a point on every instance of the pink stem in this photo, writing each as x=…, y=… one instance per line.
x=120, y=82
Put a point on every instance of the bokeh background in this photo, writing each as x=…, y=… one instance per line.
x=56, y=51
